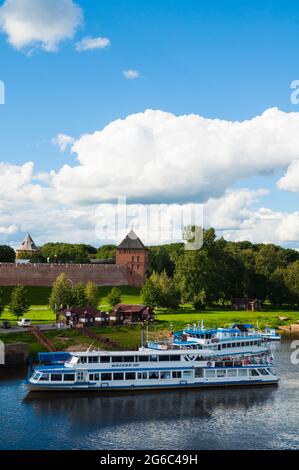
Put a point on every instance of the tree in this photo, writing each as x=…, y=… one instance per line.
x=79, y=297
x=92, y=294
x=7, y=254
x=106, y=252
x=19, y=303
x=66, y=252
x=114, y=297
x=2, y=302
x=291, y=279
x=150, y=294
x=61, y=295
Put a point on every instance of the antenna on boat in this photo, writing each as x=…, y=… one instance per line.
x=89, y=348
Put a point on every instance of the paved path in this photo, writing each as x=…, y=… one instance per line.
x=19, y=329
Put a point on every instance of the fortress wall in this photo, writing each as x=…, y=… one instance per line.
x=12, y=274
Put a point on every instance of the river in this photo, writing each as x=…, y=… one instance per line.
x=232, y=418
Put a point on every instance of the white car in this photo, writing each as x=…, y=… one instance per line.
x=25, y=322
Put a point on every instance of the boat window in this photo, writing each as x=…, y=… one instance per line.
x=153, y=358
x=238, y=345
x=130, y=375
x=142, y=375
x=263, y=371
x=175, y=358
x=198, y=372
x=83, y=359
x=176, y=374
x=118, y=376
x=232, y=373
x=209, y=373
x=187, y=374
x=106, y=376
x=45, y=377
x=254, y=373
x=165, y=374
x=221, y=373
x=69, y=377
x=56, y=377
x=129, y=359
x=36, y=375
x=228, y=364
x=242, y=372
x=143, y=358
x=228, y=345
x=80, y=376
x=163, y=358
x=93, y=359
x=117, y=358
x=104, y=359
x=223, y=345
x=153, y=375
x=219, y=347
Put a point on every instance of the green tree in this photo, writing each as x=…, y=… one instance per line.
x=79, y=297
x=291, y=279
x=2, y=302
x=19, y=303
x=92, y=294
x=66, y=253
x=7, y=254
x=106, y=252
x=114, y=297
x=150, y=294
x=61, y=295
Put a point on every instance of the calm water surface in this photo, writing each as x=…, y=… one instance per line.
x=245, y=418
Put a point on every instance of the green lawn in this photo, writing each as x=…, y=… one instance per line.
x=39, y=298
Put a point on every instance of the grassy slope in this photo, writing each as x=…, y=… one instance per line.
x=128, y=337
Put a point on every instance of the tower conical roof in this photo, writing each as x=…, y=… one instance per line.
x=131, y=242
x=27, y=244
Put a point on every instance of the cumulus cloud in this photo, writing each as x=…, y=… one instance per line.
x=162, y=163
x=39, y=23
x=131, y=74
x=156, y=156
x=63, y=141
x=88, y=43
x=290, y=181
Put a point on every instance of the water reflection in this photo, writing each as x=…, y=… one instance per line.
x=108, y=409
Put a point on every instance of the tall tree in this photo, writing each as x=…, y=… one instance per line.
x=19, y=303
x=7, y=254
x=2, y=302
x=61, y=295
x=114, y=297
x=79, y=297
x=92, y=294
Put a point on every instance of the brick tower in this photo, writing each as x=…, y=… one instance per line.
x=134, y=255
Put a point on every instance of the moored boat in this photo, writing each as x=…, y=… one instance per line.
x=146, y=369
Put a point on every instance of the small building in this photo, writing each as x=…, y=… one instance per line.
x=77, y=316
x=128, y=314
x=247, y=304
x=27, y=247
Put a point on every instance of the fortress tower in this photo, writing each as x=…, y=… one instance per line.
x=134, y=255
x=27, y=247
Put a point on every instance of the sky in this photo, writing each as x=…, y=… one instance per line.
x=183, y=108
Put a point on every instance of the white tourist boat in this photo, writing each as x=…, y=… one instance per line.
x=233, y=341
x=146, y=369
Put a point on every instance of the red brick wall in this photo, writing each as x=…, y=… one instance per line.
x=45, y=274
x=136, y=262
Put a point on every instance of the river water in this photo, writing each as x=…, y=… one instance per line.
x=232, y=418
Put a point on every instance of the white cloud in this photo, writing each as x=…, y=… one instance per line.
x=159, y=157
x=88, y=43
x=39, y=23
x=63, y=141
x=290, y=181
x=131, y=74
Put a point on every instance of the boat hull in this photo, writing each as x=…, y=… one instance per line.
x=98, y=389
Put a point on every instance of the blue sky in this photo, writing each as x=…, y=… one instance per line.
x=229, y=60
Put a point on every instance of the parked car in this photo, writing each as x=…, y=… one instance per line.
x=5, y=325
x=24, y=322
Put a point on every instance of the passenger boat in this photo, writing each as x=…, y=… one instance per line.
x=146, y=369
x=270, y=334
x=222, y=341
